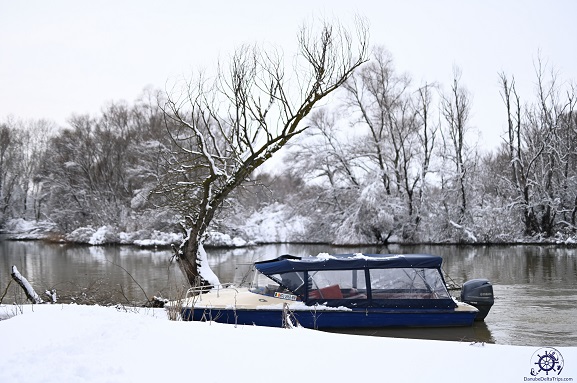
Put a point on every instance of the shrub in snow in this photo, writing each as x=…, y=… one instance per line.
x=108, y=235
x=373, y=218
x=89, y=235
x=275, y=224
x=22, y=229
x=80, y=235
x=158, y=238
x=217, y=239
x=139, y=199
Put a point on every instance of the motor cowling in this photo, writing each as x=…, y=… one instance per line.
x=478, y=293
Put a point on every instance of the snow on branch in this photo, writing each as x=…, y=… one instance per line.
x=26, y=286
x=467, y=232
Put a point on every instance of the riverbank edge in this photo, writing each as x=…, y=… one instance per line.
x=107, y=236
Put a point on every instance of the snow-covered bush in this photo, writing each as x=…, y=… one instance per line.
x=22, y=229
x=374, y=218
x=156, y=238
x=217, y=239
x=274, y=224
x=101, y=236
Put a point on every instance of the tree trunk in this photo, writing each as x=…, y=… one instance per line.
x=193, y=261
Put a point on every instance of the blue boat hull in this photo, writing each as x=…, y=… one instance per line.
x=361, y=318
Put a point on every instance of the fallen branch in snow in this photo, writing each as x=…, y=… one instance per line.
x=52, y=295
x=26, y=286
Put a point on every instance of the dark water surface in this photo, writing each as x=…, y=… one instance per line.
x=535, y=286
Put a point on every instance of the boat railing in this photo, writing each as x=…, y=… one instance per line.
x=197, y=291
x=450, y=282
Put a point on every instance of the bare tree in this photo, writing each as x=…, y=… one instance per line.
x=456, y=107
x=323, y=151
x=8, y=160
x=427, y=137
x=541, y=148
x=521, y=161
x=379, y=96
x=399, y=137
x=22, y=143
x=98, y=171
x=327, y=156
x=228, y=126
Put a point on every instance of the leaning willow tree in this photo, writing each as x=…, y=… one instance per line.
x=224, y=127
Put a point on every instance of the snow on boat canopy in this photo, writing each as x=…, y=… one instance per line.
x=343, y=291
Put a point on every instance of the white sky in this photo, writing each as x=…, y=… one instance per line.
x=61, y=57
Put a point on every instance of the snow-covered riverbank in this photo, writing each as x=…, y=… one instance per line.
x=19, y=229
x=71, y=343
x=262, y=229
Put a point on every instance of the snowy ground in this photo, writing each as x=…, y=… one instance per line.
x=69, y=343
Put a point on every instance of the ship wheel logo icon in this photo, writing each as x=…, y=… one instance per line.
x=546, y=360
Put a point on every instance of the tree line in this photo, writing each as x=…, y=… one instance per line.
x=400, y=162
x=386, y=160
x=97, y=171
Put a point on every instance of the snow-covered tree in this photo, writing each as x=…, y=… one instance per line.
x=541, y=149
x=100, y=170
x=22, y=143
x=399, y=137
x=459, y=155
x=326, y=156
x=371, y=157
x=9, y=148
x=229, y=125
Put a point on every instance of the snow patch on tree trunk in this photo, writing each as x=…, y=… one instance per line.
x=204, y=268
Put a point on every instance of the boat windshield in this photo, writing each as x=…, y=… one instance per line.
x=378, y=284
x=394, y=283
x=288, y=284
x=407, y=283
x=337, y=284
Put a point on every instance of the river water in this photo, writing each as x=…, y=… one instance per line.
x=535, y=286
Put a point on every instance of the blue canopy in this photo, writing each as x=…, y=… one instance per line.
x=288, y=263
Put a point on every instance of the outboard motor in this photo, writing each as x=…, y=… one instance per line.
x=478, y=293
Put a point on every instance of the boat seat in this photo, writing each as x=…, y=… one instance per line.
x=329, y=292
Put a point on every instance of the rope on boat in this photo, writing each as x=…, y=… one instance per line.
x=451, y=284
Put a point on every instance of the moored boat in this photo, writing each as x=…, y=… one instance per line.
x=341, y=291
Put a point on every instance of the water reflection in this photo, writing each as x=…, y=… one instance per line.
x=85, y=274
x=535, y=286
x=479, y=332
